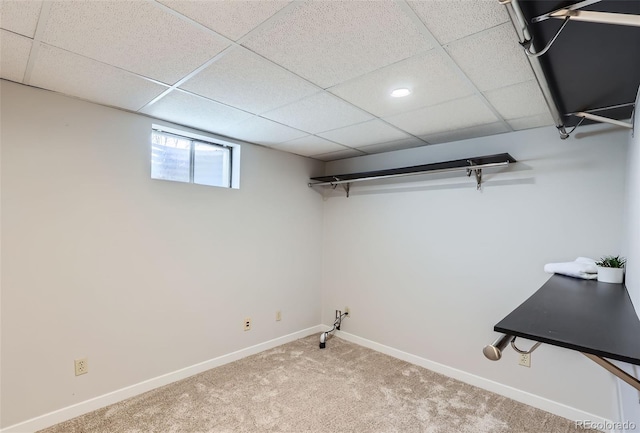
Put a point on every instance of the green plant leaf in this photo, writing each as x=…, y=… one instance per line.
x=612, y=262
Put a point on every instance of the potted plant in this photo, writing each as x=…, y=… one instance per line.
x=611, y=269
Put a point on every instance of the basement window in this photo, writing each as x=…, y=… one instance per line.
x=183, y=157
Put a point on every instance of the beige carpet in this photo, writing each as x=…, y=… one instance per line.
x=299, y=388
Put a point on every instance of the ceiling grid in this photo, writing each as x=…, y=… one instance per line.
x=425, y=31
x=37, y=37
x=311, y=78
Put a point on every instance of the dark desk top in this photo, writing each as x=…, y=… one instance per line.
x=584, y=315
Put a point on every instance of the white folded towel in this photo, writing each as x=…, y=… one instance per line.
x=582, y=267
x=587, y=261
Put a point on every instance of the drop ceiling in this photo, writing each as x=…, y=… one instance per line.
x=308, y=77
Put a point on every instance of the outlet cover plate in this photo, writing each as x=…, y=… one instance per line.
x=81, y=366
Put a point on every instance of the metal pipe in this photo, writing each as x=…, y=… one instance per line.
x=573, y=7
x=388, y=176
x=520, y=24
x=610, y=107
x=336, y=325
x=598, y=17
x=604, y=119
x=323, y=339
x=494, y=350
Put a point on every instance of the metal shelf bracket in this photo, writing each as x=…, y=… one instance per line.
x=347, y=187
x=524, y=352
x=602, y=119
x=478, y=173
x=576, y=14
x=493, y=352
x=521, y=25
x=618, y=372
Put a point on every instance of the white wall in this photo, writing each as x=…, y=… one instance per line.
x=629, y=396
x=146, y=277
x=143, y=277
x=431, y=267
x=632, y=278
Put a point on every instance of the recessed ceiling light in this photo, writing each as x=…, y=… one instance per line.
x=399, y=93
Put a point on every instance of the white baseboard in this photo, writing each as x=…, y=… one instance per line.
x=69, y=412
x=64, y=414
x=536, y=401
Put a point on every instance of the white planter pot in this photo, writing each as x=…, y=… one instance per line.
x=610, y=275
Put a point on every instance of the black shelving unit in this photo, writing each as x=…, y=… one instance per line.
x=470, y=165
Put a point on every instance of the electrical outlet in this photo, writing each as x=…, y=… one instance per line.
x=82, y=366
x=347, y=311
x=247, y=324
x=278, y=316
x=525, y=359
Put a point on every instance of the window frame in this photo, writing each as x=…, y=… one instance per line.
x=233, y=180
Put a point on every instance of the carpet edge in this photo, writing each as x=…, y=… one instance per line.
x=75, y=410
x=518, y=395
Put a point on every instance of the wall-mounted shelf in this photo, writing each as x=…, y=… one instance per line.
x=469, y=165
x=595, y=318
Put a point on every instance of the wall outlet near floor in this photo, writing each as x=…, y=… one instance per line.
x=82, y=366
x=278, y=316
x=247, y=324
x=525, y=359
x=347, y=311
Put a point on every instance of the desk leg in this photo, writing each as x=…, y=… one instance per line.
x=614, y=370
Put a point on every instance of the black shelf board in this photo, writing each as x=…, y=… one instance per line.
x=583, y=315
x=458, y=163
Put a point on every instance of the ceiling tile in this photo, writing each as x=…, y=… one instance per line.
x=244, y=80
x=531, y=122
x=15, y=51
x=519, y=100
x=329, y=42
x=366, y=133
x=20, y=16
x=318, y=113
x=341, y=154
x=148, y=41
x=492, y=58
x=428, y=76
x=71, y=74
x=452, y=115
x=232, y=19
x=309, y=145
x=407, y=143
x=262, y=131
x=195, y=111
x=465, y=133
x=359, y=50
x=454, y=19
